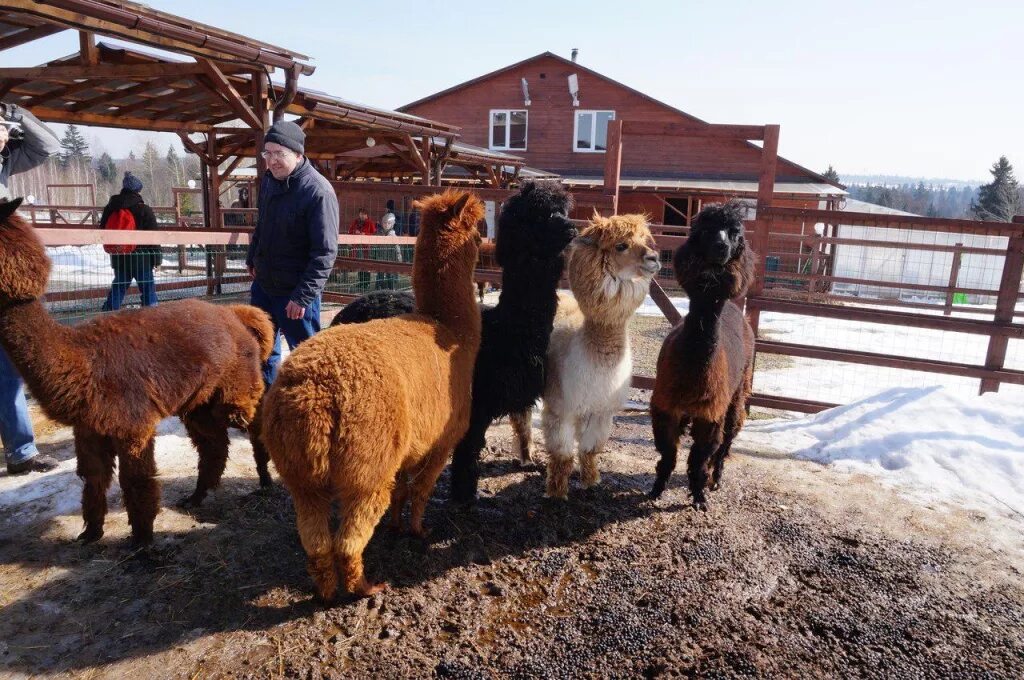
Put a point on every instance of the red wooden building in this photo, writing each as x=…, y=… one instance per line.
x=554, y=113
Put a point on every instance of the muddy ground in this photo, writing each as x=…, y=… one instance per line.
x=796, y=570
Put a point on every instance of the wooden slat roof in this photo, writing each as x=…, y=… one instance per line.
x=24, y=20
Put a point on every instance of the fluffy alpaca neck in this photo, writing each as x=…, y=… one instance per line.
x=47, y=357
x=444, y=289
x=531, y=293
x=606, y=339
x=701, y=327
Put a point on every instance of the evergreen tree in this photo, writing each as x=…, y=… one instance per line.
x=106, y=168
x=831, y=175
x=149, y=170
x=999, y=200
x=74, y=145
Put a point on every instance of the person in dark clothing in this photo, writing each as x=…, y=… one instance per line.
x=138, y=264
x=295, y=242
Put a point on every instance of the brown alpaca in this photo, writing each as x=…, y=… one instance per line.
x=589, y=361
x=364, y=413
x=706, y=363
x=115, y=378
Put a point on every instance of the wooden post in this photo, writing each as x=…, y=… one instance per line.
x=260, y=104
x=613, y=163
x=762, y=224
x=954, y=274
x=87, y=49
x=213, y=217
x=425, y=153
x=1009, y=290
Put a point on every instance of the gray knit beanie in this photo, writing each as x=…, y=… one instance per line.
x=287, y=134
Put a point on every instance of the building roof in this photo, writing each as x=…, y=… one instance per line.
x=22, y=21
x=725, y=187
x=576, y=65
x=854, y=205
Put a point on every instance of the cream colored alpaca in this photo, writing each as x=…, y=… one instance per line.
x=589, y=360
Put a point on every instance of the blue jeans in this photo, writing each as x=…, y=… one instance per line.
x=136, y=266
x=15, y=423
x=294, y=330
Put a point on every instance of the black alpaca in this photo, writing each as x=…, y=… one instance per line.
x=381, y=304
x=705, y=366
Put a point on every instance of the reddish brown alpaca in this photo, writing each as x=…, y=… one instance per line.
x=366, y=412
x=706, y=363
x=113, y=379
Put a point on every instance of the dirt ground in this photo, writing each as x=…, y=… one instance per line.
x=796, y=570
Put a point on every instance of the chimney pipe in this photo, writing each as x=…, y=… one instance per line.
x=575, y=51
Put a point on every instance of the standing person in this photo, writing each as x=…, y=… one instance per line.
x=362, y=226
x=389, y=280
x=24, y=143
x=295, y=242
x=138, y=263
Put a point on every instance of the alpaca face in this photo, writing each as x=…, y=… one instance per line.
x=612, y=264
x=24, y=266
x=452, y=218
x=715, y=260
x=534, y=225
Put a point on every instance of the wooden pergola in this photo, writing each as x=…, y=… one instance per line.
x=216, y=91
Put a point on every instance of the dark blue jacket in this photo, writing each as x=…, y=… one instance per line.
x=296, y=238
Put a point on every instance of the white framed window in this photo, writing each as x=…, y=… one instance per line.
x=590, y=133
x=508, y=129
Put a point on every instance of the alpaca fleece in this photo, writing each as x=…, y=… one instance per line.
x=705, y=366
x=589, y=361
x=115, y=378
x=364, y=413
x=381, y=304
x=533, y=231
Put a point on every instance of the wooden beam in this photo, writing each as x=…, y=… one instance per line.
x=426, y=143
x=769, y=160
x=414, y=153
x=87, y=52
x=7, y=85
x=111, y=96
x=194, y=148
x=113, y=120
x=708, y=131
x=1006, y=302
x=28, y=35
x=102, y=71
x=222, y=86
x=213, y=216
x=613, y=163
x=231, y=168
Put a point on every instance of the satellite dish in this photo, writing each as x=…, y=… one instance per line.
x=574, y=89
x=526, y=92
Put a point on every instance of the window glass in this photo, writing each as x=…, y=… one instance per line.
x=584, y=131
x=499, y=132
x=601, y=131
x=517, y=130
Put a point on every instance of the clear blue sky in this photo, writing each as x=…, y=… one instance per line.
x=914, y=88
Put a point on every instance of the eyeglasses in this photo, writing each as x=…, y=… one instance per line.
x=282, y=154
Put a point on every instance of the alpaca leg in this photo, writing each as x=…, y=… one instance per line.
x=523, y=430
x=259, y=451
x=593, y=433
x=667, y=430
x=465, y=462
x=422, y=485
x=312, y=517
x=96, y=468
x=359, y=517
x=559, y=438
x=707, y=437
x=734, y=420
x=138, y=485
x=210, y=436
x=399, y=496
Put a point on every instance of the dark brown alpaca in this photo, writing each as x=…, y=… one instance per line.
x=705, y=366
x=115, y=378
x=363, y=413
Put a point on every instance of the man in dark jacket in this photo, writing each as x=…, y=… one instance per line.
x=295, y=242
x=139, y=263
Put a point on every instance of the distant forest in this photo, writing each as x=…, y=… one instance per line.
x=921, y=199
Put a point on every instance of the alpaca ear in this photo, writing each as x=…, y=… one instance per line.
x=7, y=209
x=459, y=205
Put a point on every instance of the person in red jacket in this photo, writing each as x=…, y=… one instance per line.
x=363, y=226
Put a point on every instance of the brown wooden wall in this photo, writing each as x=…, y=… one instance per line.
x=551, y=118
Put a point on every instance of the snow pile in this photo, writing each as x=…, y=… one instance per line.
x=932, y=442
x=78, y=260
